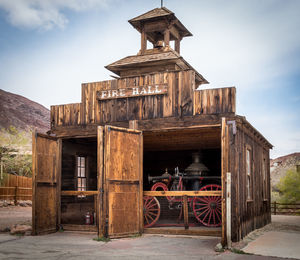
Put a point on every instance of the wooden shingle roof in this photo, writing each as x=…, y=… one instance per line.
x=151, y=59
x=159, y=13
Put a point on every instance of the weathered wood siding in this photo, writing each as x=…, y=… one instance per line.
x=178, y=101
x=66, y=115
x=181, y=100
x=248, y=214
x=214, y=101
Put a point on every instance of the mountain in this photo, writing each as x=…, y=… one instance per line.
x=280, y=165
x=22, y=113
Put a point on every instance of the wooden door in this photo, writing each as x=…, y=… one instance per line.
x=122, y=180
x=46, y=166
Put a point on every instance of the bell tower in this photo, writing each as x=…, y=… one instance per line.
x=160, y=27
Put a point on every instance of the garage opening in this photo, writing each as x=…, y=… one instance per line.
x=79, y=184
x=186, y=161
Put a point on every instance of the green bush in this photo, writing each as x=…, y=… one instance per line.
x=289, y=187
x=15, y=151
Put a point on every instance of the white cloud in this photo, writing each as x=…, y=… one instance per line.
x=243, y=43
x=44, y=14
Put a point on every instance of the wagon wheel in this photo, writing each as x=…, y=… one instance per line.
x=160, y=186
x=151, y=211
x=207, y=210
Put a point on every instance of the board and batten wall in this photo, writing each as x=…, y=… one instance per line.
x=248, y=214
x=180, y=100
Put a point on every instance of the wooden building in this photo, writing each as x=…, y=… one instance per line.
x=120, y=161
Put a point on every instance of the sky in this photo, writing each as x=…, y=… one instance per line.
x=49, y=47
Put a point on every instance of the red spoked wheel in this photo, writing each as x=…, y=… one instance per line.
x=151, y=211
x=207, y=210
x=160, y=186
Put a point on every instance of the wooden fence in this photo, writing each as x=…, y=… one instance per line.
x=285, y=208
x=16, y=188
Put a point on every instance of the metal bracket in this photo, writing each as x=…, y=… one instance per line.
x=233, y=123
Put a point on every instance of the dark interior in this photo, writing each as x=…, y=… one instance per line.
x=174, y=148
x=74, y=208
x=170, y=149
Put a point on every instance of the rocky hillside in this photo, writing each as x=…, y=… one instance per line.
x=280, y=165
x=22, y=113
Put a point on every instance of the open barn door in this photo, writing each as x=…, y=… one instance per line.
x=46, y=166
x=122, y=180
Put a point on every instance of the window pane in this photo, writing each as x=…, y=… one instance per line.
x=82, y=170
x=248, y=162
x=79, y=183
x=82, y=161
x=83, y=181
x=248, y=188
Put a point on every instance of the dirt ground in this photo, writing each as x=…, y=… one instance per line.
x=201, y=246
x=12, y=215
x=279, y=223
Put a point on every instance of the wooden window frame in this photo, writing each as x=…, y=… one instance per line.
x=86, y=173
x=249, y=173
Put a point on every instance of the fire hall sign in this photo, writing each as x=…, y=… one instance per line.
x=139, y=91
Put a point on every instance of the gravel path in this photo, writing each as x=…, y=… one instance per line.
x=14, y=215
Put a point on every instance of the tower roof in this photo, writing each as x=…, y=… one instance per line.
x=160, y=14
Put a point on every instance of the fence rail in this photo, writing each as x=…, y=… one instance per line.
x=16, y=188
x=285, y=208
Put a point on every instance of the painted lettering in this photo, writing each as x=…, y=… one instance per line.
x=149, y=90
x=135, y=91
x=122, y=90
x=157, y=90
x=144, y=91
x=115, y=93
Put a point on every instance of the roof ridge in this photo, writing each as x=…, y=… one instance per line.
x=147, y=13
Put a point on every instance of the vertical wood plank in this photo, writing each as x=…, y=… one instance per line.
x=101, y=207
x=224, y=162
x=185, y=212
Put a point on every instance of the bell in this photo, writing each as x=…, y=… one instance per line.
x=159, y=44
x=197, y=167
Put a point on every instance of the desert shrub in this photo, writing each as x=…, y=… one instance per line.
x=289, y=187
x=15, y=154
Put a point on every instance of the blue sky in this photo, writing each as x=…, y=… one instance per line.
x=49, y=47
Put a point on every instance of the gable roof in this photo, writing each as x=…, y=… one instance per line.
x=169, y=56
x=156, y=14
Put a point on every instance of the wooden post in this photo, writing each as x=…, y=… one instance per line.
x=224, y=165
x=177, y=45
x=143, y=41
x=228, y=209
x=167, y=37
x=58, y=181
x=275, y=208
x=101, y=213
x=185, y=212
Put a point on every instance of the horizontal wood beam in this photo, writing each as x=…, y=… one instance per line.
x=78, y=193
x=182, y=193
x=87, y=228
